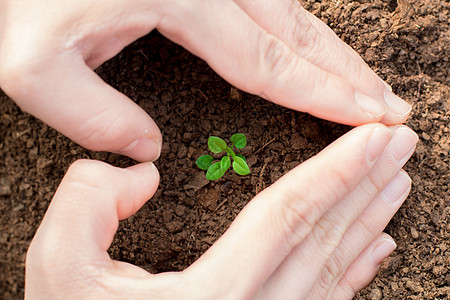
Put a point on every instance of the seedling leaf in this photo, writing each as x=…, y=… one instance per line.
x=239, y=140
x=204, y=162
x=214, y=172
x=216, y=144
x=225, y=163
x=242, y=156
x=240, y=166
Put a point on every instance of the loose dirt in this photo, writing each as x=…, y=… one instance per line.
x=406, y=42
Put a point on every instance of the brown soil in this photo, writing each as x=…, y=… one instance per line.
x=406, y=42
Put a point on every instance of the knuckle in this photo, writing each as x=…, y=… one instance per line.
x=305, y=34
x=82, y=166
x=365, y=227
x=328, y=232
x=342, y=184
x=297, y=218
x=89, y=174
x=15, y=75
x=370, y=186
x=276, y=58
x=329, y=274
x=21, y=62
x=333, y=189
x=345, y=289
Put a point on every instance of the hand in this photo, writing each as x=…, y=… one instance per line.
x=274, y=49
x=314, y=234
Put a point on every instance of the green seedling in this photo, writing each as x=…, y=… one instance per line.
x=216, y=170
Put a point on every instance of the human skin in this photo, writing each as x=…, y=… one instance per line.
x=316, y=233
x=274, y=49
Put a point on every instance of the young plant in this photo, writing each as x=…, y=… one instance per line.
x=216, y=170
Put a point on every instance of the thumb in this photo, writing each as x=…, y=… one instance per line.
x=95, y=195
x=70, y=97
x=69, y=248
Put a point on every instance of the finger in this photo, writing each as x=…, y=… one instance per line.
x=71, y=98
x=361, y=233
x=314, y=253
x=365, y=267
x=84, y=214
x=68, y=253
x=258, y=62
x=280, y=217
x=312, y=40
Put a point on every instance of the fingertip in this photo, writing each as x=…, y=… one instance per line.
x=144, y=180
x=398, y=110
x=371, y=137
x=365, y=267
x=125, y=189
x=397, y=105
x=146, y=171
x=404, y=128
x=143, y=149
x=388, y=109
x=387, y=85
x=381, y=249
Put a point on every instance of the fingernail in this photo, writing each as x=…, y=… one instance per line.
x=369, y=105
x=396, y=189
x=144, y=149
x=377, y=142
x=387, y=85
x=382, y=249
x=145, y=168
x=402, y=144
x=147, y=171
x=396, y=104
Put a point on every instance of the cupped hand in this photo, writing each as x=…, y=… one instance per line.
x=314, y=234
x=273, y=48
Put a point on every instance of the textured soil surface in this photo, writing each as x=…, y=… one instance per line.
x=406, y=42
